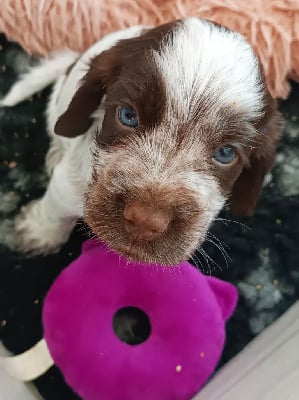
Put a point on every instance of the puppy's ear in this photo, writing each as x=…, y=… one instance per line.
x=77, y=119
x=247, y=188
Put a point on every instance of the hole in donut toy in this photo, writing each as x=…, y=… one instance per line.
x=131, y=325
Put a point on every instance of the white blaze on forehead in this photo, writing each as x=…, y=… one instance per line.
x=158, y=156
x=203, y=61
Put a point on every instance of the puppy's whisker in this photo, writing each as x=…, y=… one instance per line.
x=197, y=262
x=222, y=251
x=225, y=221
x=221, y=242
x=209, y=259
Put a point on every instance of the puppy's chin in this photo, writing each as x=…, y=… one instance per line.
x=163, y=251
x=151, y=253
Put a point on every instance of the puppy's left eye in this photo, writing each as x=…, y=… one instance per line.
x=127, y=116
x=225, y=154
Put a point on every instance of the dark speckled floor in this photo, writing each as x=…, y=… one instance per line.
x=264, y=250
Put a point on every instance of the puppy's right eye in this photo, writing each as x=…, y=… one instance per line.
x=128, y=116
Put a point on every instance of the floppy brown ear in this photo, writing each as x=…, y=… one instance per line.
x=76, y=120
x=248, y=186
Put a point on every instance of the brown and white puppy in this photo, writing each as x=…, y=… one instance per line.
x=156, y=129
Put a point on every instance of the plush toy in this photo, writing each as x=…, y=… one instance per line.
x=120, y=330
x=129, y=331
x=272, y=26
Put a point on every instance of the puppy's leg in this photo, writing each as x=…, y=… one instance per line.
x=44, y=225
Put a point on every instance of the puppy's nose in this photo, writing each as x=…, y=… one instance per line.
x=145, y=223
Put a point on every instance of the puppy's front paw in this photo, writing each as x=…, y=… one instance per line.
x=36, y=233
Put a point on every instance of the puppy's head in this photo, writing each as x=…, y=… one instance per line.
x=188, y=125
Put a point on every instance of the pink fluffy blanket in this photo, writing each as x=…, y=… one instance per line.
x=271, y=26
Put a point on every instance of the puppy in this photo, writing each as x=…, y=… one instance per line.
x=153, y=131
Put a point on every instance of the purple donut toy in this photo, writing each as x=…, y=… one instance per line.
x=126, y=331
